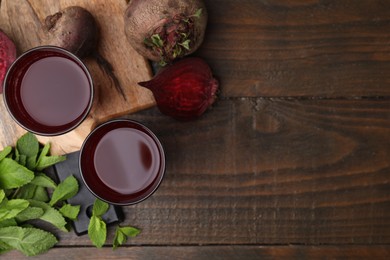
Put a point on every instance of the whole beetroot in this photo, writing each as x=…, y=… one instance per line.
x=7, y=56
x=163, y=30
x=74, y=29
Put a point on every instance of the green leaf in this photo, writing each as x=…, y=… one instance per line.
x=65, y=190
x=31, y=191
x=9, y=209
x=122, y=233
x=186, y=44
x=29, y=241
x=40, y=194
x=43, y=180
x=26, y=192
x=119, y=239
x=29, y=213
x=130, y=231
x=17, y=156
x=2, y=195
x=45, y=151
x=6, y=151
x=99, y=208
x=31, y=163
x=22, y=160
x=70, y=211
x=97, y=231
x=156, y=40
x=4, y=248
x=45, y=161
x=8, y=223
x=50, y=215
x=28, y=146
x=13, y=175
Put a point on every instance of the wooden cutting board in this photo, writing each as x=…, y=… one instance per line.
x=21, y=20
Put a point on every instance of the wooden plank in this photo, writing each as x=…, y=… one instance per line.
x=216, y=252
x=22, y=19
x=271, y=172
x=256, y=171
x=299, y=48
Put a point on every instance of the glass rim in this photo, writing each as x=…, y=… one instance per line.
x=159, y=176
x=75, y=59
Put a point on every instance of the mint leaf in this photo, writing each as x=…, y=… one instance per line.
x=13, y=175
x=45, y=151
x=8, y=223
x=9, y=209
x=26, y=192
x=4, y=248
x=99, y=208
x=29, y=241
x=6, y=151
x=2, y=195
x=97, y=231
x=43, y=180
x=65, y=190
x=70, y=211
x=50, y=215
x=45, y=161
x=29, y=213
x=31, y=191
x=119, y=239
x=17, y=156
x=22, y=160
x=122, y=233
x=28, y=146
x=130, y=231
x=40, y=194
x=49, y=161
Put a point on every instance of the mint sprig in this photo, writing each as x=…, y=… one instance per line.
x=24, y=197
x=30, y=241
x=122, y=233
x=97, y=229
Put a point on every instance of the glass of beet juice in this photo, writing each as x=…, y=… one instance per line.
x=122, y=162
x=48, y=91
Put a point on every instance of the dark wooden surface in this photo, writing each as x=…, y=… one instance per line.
x=293, y=161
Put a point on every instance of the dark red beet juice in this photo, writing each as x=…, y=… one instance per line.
x=48, y=91
x=122, y=162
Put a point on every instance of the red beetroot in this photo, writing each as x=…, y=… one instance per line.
x=163, y=30
x=7, y=56
x=74, y=29
x=185, y=89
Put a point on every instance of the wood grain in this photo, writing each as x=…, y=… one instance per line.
x=255, y=171
x=299, y=48
x=216, y=252
x=129, y=66
x=273, y=171
x=295, y=151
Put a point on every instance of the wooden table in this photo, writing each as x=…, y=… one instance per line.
x=293, y=161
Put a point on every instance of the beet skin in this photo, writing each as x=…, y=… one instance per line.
x=7, y=56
